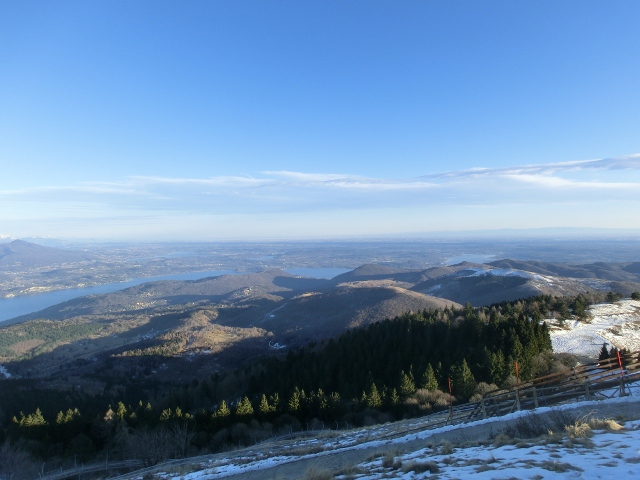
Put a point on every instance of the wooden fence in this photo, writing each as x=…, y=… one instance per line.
x=602, y=379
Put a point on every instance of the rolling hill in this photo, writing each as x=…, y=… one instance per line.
x=235, y=317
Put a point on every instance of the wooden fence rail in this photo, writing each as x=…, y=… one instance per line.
x=588, y=381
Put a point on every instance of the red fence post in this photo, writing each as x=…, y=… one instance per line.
x=622, y=392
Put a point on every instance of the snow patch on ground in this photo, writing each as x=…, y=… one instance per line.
x=503, y=272
x=617, y=324
x=616, y=454
x=612, y=455
x=4, y=373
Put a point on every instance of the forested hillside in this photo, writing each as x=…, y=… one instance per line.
x=391, y=369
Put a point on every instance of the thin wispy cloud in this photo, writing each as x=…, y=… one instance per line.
x=356, y=182
x=628, y=162
x=583, y=182
x=222, y=181
x=549, y=181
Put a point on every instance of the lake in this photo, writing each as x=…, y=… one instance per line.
x=326, y=273
x=22, y=305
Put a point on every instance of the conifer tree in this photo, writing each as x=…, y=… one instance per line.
x=223, y=410
x=462, y=379
x=244, y=408
x=121, y=410
x=429, y=380
x=373, y=398
x=108, y=416
x=393, y=398
x=604, y=352
x=67, y=417
x=32, y=420
x=407, y=386
x=321, y=399
x=274, y=401
x=294, y=401
x=497, y=368
x=264, y=406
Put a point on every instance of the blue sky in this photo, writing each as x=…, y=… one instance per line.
x=254, y=120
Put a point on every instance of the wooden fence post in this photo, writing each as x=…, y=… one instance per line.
x=587, y=394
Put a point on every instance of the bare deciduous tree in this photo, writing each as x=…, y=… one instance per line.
x=182, y=437
x=151, y=446
x=15, y=464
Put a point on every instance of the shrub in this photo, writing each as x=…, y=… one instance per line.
x=580, y=429
x=316, y=474
x=446, y=448
x=528, y=426
x=608, y=424
x=387, y=459
x=501, y=440
x=559, y=419
x=558, y=467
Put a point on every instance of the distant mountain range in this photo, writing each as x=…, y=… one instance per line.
x=254, y=313
x=622, y=272
x=30, y=255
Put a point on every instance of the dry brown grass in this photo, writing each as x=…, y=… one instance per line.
x=609, y=424
x=502, y=439
x=314, y=473
x=420, y=467
x=558, y=467
x=307, y=450
x=389, y=461
x=583, y=427
x=446, y=448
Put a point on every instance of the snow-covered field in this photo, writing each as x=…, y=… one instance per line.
x=617, y=324
x=604, y=454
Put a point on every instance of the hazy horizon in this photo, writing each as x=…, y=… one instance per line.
x=506, y=234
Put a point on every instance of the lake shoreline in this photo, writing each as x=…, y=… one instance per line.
x=20, y=305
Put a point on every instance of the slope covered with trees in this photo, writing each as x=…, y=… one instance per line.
x=391, y=369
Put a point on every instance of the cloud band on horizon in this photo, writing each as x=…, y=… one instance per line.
x=577, y=186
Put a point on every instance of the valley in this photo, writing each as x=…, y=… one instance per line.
x=235, y=316
x=374, y=343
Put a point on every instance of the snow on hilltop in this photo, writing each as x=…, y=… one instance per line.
x=617, y=324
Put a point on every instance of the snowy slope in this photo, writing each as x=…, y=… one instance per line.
x=604, y=455
x=607, y=455
x=617, y=324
